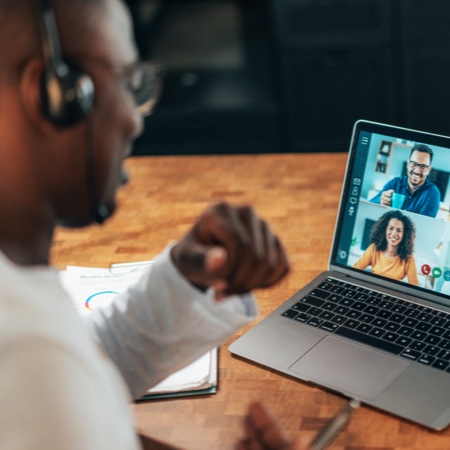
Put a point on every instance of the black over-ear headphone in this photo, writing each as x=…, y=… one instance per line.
x=67, y=94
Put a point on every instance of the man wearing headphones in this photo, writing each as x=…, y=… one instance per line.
x=72, y=97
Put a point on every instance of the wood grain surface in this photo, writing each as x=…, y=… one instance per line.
x=298, y=194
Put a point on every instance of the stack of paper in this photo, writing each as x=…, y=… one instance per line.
x=92, y=288
x=198, y=378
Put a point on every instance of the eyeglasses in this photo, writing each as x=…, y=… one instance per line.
x=143, y=80
x=145, y=85
x=415, y=165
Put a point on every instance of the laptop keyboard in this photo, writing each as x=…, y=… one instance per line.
x=413, y=331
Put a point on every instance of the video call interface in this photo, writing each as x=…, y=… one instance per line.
x=380, y=239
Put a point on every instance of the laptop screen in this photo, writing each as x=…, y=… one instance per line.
x=394, y=220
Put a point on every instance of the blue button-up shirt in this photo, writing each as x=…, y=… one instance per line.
x=425, y=200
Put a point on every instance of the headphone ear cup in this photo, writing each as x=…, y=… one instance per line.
x=66, y=98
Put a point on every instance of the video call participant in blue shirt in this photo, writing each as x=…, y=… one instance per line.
x=422, y=196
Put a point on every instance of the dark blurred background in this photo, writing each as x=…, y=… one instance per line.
x=257, y=76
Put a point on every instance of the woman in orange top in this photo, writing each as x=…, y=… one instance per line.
x=391, y=250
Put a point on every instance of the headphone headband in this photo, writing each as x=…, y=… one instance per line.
x=49, y=38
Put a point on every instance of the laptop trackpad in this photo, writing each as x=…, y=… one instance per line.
x=349, y=368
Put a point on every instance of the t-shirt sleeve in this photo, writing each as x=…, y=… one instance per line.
x=163, y=323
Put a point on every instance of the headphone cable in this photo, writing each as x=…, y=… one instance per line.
x=99, y=212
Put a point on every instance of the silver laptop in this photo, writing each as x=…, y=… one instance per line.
x=376, y=326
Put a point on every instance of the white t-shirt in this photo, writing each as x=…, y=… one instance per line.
x=58, y=388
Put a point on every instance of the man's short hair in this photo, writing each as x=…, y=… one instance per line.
x=423, y=149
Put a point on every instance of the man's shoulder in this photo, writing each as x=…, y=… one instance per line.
x=430, y=187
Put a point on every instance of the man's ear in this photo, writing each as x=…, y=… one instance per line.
x=30, y=95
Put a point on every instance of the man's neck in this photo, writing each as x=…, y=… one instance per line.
x=412, y=188
x=26, y=229
x=27, y=254
x=26, y=239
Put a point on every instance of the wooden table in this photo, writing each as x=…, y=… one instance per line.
x=298, y=194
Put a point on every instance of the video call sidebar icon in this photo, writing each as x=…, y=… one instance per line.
x=355, y=195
